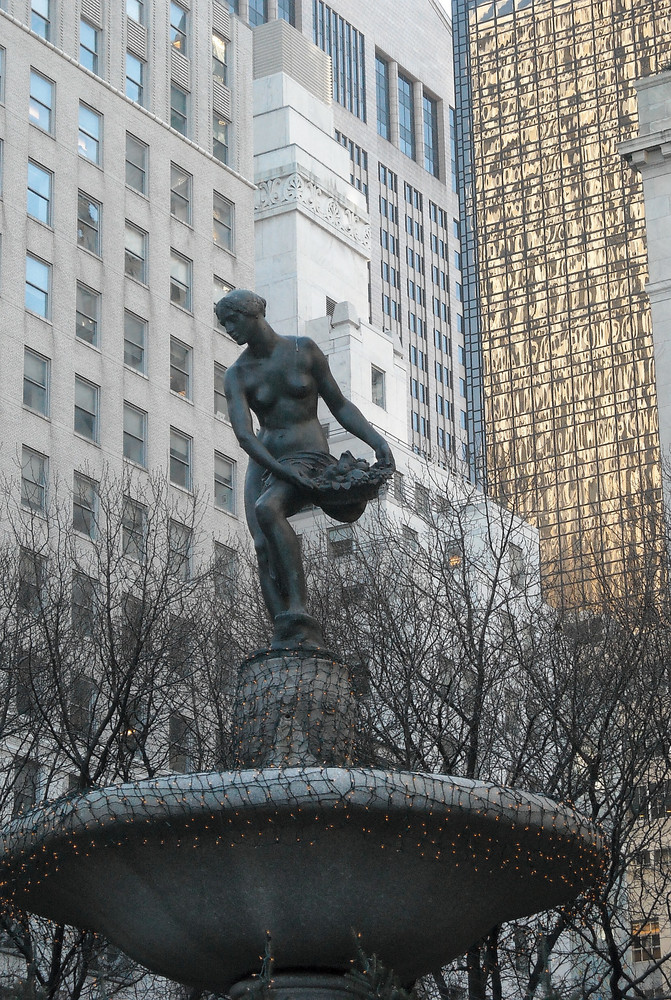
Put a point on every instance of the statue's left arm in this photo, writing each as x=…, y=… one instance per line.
x=345, y=412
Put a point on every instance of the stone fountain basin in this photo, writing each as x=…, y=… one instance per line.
x=187, y=873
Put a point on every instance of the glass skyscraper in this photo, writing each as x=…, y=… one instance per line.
x=565, y=334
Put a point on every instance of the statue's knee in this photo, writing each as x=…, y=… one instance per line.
x=266, y=511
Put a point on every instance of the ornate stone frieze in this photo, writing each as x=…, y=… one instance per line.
x=297, y=189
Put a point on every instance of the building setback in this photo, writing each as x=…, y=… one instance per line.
x=568, y=370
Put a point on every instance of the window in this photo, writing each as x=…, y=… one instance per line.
x=40, y=110
x=34, y=470
x=518, y=570
x=83, y=603
x=39, y=192
x=178, y=108
x=134, y=78
x=646, y=941
x=233, y=6
x=225, y=566
x=90, y=133
x=84, y=504
x=87, y=314
x=134, y=434
x=422, y=500
x=133, y=529
x=135, y=9
x=83, y=695
x=87, y=403
x=345, y=45
x=134, y=340
x=26, y=785
x=180, y=459
x=220, y=138
x=340, y=541
x=258, y=12
x=88, y=223
x=406, y=116
x=38, y=286
x=177, y=28
x=219, y=59
x=224, y=483
x=137, y=153
x=89, y=45
x=32, y=577
x=377, y=379
x=40, y=21
x=286, y=11
x=179, y=743
x=222, y=221
x=179, y=550
x=220, y=404
x=28, y=683
x=36, y=382
x=135, y=264
x=180, y=280
x=180, y=368
x=382, y=96
x=430, y=135
x=180, y=193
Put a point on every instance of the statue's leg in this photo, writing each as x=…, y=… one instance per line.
x=269, y=575
x=271, y=510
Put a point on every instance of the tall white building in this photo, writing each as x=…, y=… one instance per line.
x=393, y=111
x=127, y=208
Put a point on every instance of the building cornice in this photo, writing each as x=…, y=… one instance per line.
x=296, y=190
x=647, y=149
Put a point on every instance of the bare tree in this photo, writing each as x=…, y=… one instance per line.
x=118, y=652
x=468, y=672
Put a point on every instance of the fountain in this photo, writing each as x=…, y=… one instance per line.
x=188, y=874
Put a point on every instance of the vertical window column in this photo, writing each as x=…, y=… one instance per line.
x=418, y=120
x=406, y=116
x=382, y=97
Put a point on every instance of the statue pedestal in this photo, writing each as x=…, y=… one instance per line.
x=294, y=707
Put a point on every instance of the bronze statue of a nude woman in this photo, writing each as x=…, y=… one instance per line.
x=280, y=379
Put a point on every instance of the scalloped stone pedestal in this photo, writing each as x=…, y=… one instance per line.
x=294, y=707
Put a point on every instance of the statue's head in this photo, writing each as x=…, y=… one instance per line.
x=242, y=302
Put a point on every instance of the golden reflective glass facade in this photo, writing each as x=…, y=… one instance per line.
x=568, y=369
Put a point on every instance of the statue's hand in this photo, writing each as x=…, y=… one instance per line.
x=383, y=454
x=294, y=478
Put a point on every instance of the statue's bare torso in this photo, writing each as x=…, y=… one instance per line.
x=283, y=391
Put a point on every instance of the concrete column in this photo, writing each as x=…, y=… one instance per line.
x=393, y=102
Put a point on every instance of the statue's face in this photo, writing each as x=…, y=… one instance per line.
x=238, y=326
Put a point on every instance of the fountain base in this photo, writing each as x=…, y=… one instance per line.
x=189, y=873
x=299, y=986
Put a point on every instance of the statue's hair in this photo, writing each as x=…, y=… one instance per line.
x=240, y=300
